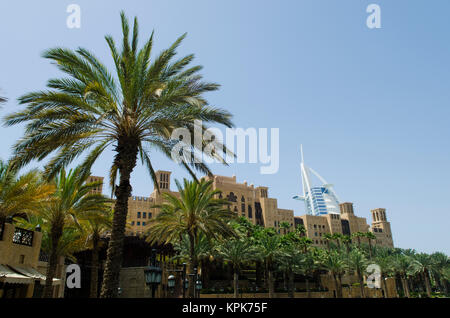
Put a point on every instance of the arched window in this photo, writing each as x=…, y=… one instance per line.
x=231, y=197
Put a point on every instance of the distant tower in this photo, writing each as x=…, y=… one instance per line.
x=163, y=178
x=347, y=208
x=381, y=227
x=319, y=200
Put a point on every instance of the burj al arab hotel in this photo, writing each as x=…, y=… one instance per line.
x=319, y=199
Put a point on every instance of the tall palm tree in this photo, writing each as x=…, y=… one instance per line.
x=402, y=267
x=285, y=226
x=306, y=267
x=383, y=258
x=21, y=194
x=135, y=110
x=195, y=212
x=440, y=262
x=338, y=238
x=358, y=263
x=237, y=251
x=328, y=237
x=95, y=225
x=203, y=251
x=71, y=199
x=358, y=236
x=370, y=236
x=422, y=264
x=269, y=244
x=347, y=239
x=334, y=263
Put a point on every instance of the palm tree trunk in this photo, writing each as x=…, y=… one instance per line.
x=270, y=281
x=336, y=285
x=56, y=234
x=126, y=161
x=191, y=265
x=361, y=285
x=370, y=249
x=94, y=268
x=236, y=283
x=291, y=284
x=427, y=283
x=339, y=286
x=405, y=286
x=384, y=284
x=308, y=293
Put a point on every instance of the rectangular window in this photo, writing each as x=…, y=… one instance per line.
x=144, y=215
x=139, y=215
x=138, y=223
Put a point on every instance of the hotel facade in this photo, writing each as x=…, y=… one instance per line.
x=254, y=203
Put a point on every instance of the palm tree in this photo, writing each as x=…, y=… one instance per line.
x=383, y=259
x=358, y=263
x=347, y=239
x=328, y=237
x=237, y=251
x=370, y=236
x=402, y=267
x=338, y=237
x=203, y=251
x=21, y=194
x=196, y=212
x=422, y=264
x=71, y=199
x=333, y=262
x=307, y=267
x=95, y=225
x=440, y=263
x=269, y=244
x=358, y=236
x=285, y=226
x=135, y=110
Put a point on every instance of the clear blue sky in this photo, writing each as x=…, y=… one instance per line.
x=371, y=107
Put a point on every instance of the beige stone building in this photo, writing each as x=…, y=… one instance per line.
x=255, y=204
x=22, y=272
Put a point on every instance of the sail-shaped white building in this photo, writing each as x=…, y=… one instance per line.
x=319, y=199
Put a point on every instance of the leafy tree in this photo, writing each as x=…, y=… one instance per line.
x=133, y=111
x=383, y=258
x=440, y=262
x=21, y=194
x=370, y=236
x=358, y=236
x=195, y=212
x=237, y=251
x=402, y=267
x=95, y=225
x=422, y=264
x=334, y=263
x=358, y=263
x=72, y=198
x=347, y=239
x=285, y=226
x=269, y=244
x=328, y=237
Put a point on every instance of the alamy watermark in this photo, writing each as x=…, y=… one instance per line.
x=207, y=146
